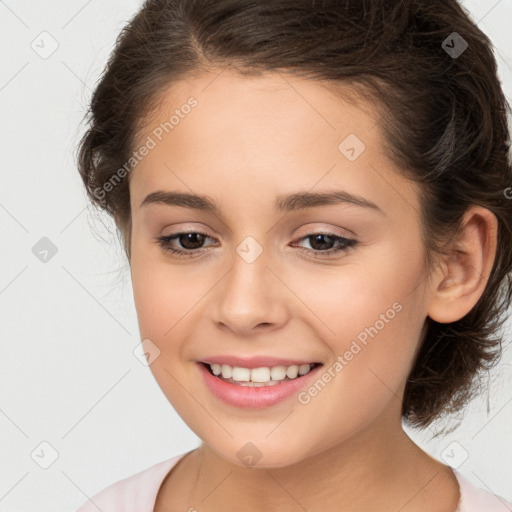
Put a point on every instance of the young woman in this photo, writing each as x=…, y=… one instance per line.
x=314, y=199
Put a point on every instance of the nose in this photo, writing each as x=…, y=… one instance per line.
x=251, y=298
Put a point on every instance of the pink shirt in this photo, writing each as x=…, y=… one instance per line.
x=137, y=493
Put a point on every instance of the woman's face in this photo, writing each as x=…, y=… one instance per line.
x=259, y=284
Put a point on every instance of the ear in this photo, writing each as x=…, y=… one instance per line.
x=461, y=279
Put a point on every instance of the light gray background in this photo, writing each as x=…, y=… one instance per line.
x=68, y=375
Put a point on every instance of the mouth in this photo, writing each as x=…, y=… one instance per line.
x=260, y=376
x=257, y=387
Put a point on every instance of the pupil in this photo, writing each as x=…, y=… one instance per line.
x=322, y=245
x=189, y=237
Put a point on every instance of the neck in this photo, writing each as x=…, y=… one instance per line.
x=378, y=469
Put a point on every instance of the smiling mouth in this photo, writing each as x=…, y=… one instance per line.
x=259, y=377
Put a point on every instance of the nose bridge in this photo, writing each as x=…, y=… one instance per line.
x=249, y=275
x=250, y=294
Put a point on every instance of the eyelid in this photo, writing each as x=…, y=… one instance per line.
x=319, y=227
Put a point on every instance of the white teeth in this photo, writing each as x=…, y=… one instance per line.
x=258, y=384
x=216, y=368
x=304, y=368
x=227, y=371
x=239, y=374
x=260, y=375
x=292, y=371
x=278, y=372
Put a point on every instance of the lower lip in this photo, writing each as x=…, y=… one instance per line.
x=255, y=397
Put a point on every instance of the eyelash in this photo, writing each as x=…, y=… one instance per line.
x=347, y=244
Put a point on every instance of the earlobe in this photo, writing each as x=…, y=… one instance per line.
x=457, y=288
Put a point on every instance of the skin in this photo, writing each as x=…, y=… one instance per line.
x=247, y=141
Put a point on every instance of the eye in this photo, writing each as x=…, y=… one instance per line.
x=192, y=240
x=320, y=240
x=189, y=240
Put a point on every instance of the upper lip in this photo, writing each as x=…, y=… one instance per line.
x=255, y=362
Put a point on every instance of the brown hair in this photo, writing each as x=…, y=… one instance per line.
x=445, y=128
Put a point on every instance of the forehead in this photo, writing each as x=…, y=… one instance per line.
x=263, y=133
x=272, y=96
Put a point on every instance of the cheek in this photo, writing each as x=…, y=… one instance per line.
x=374, y=312
x=163, y=293
x=379, y=288
x=372, y=357
x=162, y=300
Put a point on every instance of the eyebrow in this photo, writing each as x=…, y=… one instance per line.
x=284, y=203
